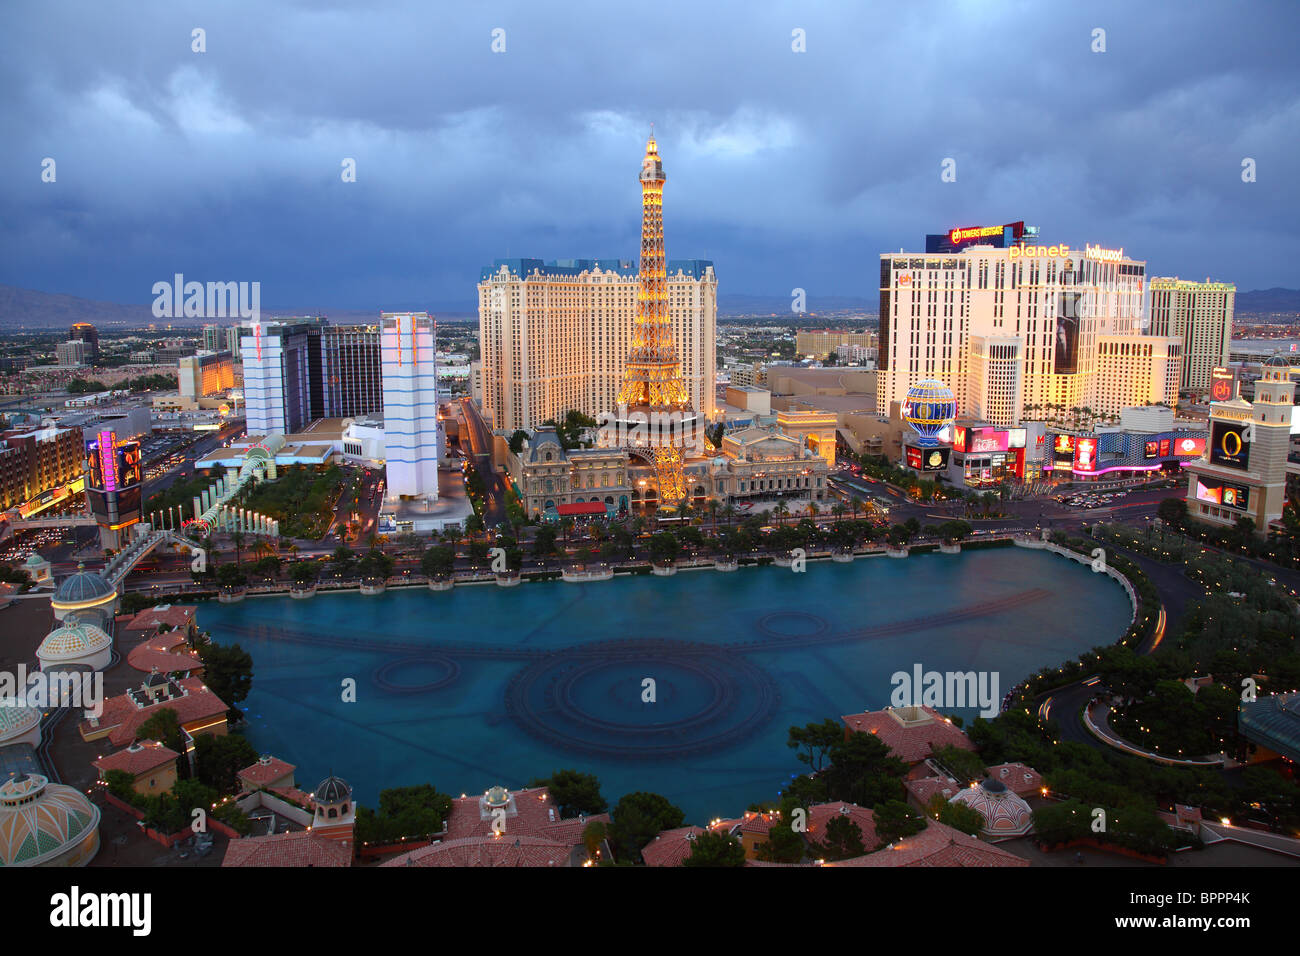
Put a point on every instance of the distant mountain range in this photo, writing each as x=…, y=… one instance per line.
x=29, y=309
x=1269, y=300
x=39, y=311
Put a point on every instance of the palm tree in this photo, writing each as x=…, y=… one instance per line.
x=812, y=509
x=262, y=548
x=728, y=512
x=237, y=539
x=781, y=510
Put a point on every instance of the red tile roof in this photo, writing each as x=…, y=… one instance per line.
x=670, y=847
x=924, y=789
x=124, y=717
x=531, y=813
x=758, y=824
x=937, y=845
x=1020, y=779
x=821, y=814
x=149, y=756
x=177, y=615
x=165, y=653
x=264, y=774
x=295, y=848
x=521, y=850
x=912, y=733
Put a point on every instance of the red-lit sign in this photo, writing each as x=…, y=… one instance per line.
x=1164, y=448
x=1064, y=444
x=914, y=458
x=959, y=437
x=1085, y=454
x=1190, y=447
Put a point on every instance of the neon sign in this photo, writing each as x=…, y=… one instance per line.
x=1105, y=255
x=973, y=232
x=1023, y=251
x=108, y=460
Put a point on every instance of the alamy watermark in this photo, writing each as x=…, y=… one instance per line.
x=947, y=690
x=653, y=429
x=213, y=300
x=44, y=689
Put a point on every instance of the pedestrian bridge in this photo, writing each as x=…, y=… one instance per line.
x=147, y=539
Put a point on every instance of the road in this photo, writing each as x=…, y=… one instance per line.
x=480, y=452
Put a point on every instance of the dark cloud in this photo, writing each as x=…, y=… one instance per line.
x=788, y=169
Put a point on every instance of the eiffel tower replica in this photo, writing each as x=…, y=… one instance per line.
x=653, y=389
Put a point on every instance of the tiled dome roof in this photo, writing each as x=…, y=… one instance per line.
x=16, y=721
x=1004, y=813
x=72, y=640
x=333, y=790
x=82, y=587
x=39, y=820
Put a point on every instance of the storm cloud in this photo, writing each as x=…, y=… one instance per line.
x=786, y=168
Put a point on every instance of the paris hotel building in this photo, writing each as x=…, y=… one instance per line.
x=1015, y=329
x=554, y=336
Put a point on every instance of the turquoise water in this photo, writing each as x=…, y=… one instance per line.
x=483, y=685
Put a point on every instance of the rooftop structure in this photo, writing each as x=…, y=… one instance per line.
x=912, y=733
x=46, y=824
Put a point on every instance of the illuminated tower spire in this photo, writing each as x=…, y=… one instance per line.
x=652, y=377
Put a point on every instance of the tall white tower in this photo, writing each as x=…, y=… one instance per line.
x=412, y=434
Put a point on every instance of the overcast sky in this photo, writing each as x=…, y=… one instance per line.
x=785, y=168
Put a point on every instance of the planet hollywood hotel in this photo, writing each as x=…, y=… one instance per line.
x=1013, y=326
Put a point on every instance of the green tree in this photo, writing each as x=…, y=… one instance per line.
x=404, y=813
x=593, y=835
x=895, y=820
x=814, y=741
x=228, y=672
x=218, y=760
x=664, y=547
x=956, y=815
x=638, y=818
x=438, y=561
x=574, y=793
x=863, y=771
x=164, y=727
x=1173, y=511
x=517, y=440
x=843, y=840
x=713, y=848
x=194, y=795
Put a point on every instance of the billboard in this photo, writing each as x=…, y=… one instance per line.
x=1151, y=449
x=1188, y=447
x=959, y=237
x=1223, y=385
x=1228, y=445
x=1220, y=493
x=1016, y=437
x=1085, y=454
x=113, y=480
x=926, y=459
x=985, y=440
x=1067, y=333
x=959, y=437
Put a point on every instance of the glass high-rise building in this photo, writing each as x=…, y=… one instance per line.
x=299, y=370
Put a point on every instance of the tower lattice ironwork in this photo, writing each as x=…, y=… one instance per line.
x=652, y=379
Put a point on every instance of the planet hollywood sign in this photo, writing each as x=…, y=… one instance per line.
x=1062, y=251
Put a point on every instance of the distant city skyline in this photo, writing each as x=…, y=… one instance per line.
x=788, y=169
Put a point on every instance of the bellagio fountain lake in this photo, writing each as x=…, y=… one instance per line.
x=482, y=685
